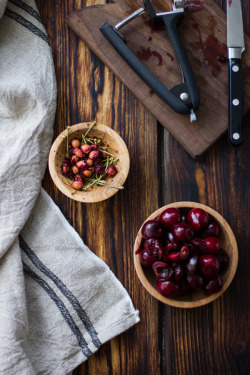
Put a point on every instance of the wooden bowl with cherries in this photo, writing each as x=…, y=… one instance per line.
x=89, y=162
x=185, y=254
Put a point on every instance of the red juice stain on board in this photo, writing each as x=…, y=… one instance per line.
x=145, y=54
x=213, y=51
x=137, y=251
x=230, y=3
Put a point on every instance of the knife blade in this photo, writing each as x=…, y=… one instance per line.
x=235, y=47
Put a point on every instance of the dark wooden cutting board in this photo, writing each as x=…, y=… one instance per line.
x=204, y=37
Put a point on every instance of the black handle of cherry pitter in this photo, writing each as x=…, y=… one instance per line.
x=117, y=41
x=171, y=21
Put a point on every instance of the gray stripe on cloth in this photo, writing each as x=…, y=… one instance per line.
x=27, y=8
x=29, y=25
x=63, y=288
x=62, y=308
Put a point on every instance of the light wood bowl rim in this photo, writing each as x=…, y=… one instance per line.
x=178, y=303
x=82, y=196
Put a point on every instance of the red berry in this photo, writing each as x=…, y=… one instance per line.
x=99, y=169
x=212, y=229
x=152, y=229
x=195, y=281
x=75, y=170
x=90, y=162
x=85, y=148
x=79, y=153
x=167, y=288
x=74, y=159
x=209, y=245
x=87, y=173
x=191, y=265
x=223, y=259
x=163, y=271
x=94, y=147
x=65, y=170
x=151, y=252
x=182, y=232
x=179, y=256
x=78, y=177
x=111, y=170
x=75, y=143
x=214, y=285
x=94, y=154
x=209, y=265
x=77, y=185
x=81, y=164
x=198, y=218
x=179, y=271
x=155, y=246
x=169, y=217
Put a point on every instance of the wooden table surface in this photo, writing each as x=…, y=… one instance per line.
x=213, y=339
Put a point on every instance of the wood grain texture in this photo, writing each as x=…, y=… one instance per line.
x=204, y=37
x=212, y=339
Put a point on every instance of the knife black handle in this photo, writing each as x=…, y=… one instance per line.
x=235, y=101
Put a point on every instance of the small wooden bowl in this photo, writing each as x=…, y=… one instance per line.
x=116, y=146
x=199, y=297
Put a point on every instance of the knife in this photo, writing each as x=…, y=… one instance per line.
x=235, y=47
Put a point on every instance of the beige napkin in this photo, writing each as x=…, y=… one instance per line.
x=58, y=301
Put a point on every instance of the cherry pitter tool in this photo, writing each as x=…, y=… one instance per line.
x=183, y=98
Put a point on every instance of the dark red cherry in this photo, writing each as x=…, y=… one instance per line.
x=191, y=265
x=179, y=256
x=179, y=272
x=147, y=258
x=65, y=169
x=198, y=218
x=209, y=245
x=212, y=229
x=66, y=161
x=162, y=270
x=169, y=217
x=99, y=169
x=169, y=248
x=182, y=232
x=209, y=265
x=154, y=246
x=223, y=259
x=195, y=281
x=152, y=229
x=214, y=285
x=167, y=288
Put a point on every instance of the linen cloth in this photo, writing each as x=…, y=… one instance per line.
x=58, y=301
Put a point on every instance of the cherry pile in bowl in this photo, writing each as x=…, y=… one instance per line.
x=88, y=162
x=183, y=250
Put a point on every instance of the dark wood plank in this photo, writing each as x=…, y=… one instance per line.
x=213, y=339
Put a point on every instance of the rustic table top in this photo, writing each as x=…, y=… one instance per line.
x=213, y=339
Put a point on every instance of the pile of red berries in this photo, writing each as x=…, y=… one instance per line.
x=184, y=252
x=89, y=163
